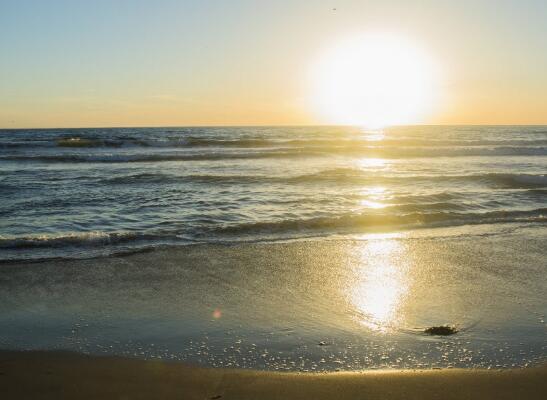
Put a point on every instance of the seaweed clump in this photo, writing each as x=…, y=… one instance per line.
x=443, y=330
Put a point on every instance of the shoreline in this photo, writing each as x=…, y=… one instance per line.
x=270, y=306
x=60, y=375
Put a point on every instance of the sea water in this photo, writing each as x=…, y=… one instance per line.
x=292, y=248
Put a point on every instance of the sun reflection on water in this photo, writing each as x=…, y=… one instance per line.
x=373, y=135
x=367, y=163
x=381, y=284
x=374, y=197
x=372, y=204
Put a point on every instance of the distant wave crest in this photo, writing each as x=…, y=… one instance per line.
x=325, y=143
x=210, y=155
x=339, y=175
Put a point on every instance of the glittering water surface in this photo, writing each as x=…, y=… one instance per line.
x=302, y=249
x=88, y=192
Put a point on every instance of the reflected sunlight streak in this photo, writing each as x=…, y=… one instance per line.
x=381, y=284
x=374, y=197
x=373, y=135
x=372, y=204
x=372, y=163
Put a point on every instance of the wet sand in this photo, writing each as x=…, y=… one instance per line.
x=268, y=306
x=60, y=375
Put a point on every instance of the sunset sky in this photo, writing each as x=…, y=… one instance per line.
x=171, y=63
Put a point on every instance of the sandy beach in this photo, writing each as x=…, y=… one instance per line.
x=231, y=200
x=58, y=375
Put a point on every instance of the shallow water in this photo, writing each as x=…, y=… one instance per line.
x=313, y=305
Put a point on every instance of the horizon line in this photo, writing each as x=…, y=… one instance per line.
x=254, y=126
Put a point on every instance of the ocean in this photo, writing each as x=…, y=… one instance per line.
x=285, y=248
x=89, y=192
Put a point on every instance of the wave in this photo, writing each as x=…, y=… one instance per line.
x=498, y=180
x=358, y=222
x=347, y=143
x=272, y=230
x=373, y=152
x=91, y=142
x=335, y=142
x=160, y=178
x=338, y=176
x=126, y=158
x=493, y=180
x=85, y=239
x=518, y=180
x=356, y=175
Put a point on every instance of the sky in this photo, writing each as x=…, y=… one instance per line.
x=80, y=63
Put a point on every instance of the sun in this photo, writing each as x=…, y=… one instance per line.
x=373, y=80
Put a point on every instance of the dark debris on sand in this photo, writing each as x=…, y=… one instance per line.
x=443, y=330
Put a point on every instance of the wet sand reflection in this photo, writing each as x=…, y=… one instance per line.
x=380, y=284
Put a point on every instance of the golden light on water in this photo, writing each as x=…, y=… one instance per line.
x=379, y=191
x=372, y=204
x=375, y=197
x=372, y=163
x=373, y=80
x=381, y=283
x=373, y=135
